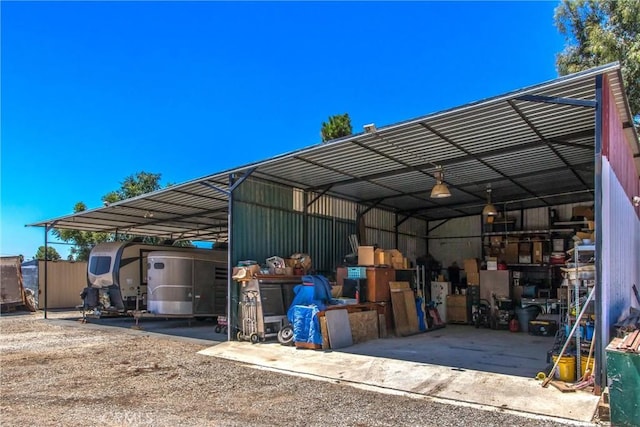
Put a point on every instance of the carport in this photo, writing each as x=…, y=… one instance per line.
x=555, y=144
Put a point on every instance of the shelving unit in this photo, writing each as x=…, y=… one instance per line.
x=542, y=270
x=574, y=293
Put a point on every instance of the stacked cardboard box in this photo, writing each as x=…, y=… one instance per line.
x=472, y=268
x=370, y=256
x=511, y=252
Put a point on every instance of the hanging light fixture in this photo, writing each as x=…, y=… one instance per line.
x=439, y=190
x=489, y=209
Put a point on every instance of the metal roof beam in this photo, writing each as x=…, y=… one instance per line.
x=505, y=202
x=189, y=193
x=467, y=157
x=355, y=177
x=322, y=193
x=485, y=163
x=542, y=138
x=371, y=206
x=214, y=187
x=558, y=100
x=403, y=220
x=439, y=225
x=406, y=165
x=581, y=166
x=241, y=179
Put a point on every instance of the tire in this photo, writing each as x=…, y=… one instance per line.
x=285, y=335
x=240, y=336
x=218, y=329
x=225, y=330
x=254, y=338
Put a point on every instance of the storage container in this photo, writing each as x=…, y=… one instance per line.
x=357, y=272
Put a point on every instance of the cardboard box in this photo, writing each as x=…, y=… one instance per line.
x=400, y=264
x=471, y=265
x=536, y=257
x=301, y=261
x=558, y=245
x=583, y=211
x=245, y=273
x=511, y=253
x=366, y=255
x=473, y=278
x=582, y=235
x=383, y=257
x=524, y=259
x=395, y=254
x=492, y=263
x=524, y=248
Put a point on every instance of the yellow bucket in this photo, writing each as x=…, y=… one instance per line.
x=583, y=364
x=566, y=370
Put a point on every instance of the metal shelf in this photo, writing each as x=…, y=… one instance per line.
x=516, y=233
x=528, y=265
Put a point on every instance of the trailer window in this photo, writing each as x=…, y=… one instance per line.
x=99, y=265
x=158, y=265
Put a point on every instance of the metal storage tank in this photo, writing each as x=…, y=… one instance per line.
x=187, y=283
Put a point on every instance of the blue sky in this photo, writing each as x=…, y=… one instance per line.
x=93, y=92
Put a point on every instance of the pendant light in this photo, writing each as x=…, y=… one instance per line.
x=439, y=190
x=489, y=209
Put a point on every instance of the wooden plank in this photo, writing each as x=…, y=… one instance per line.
x=324, y=332
x=399, y=313
x=405, y=314
x=412, y=312
x=308, y=345
x=338, y=328
x=382, y=325
x=399, y=285
x=562, y=386
x=364, y=326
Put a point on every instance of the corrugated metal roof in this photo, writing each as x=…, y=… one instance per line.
x=533, y=154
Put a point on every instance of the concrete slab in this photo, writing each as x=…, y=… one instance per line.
x=466, y=347
x=445, y=383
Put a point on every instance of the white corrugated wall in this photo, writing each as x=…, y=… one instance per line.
x=455, y=240
x=620, y=250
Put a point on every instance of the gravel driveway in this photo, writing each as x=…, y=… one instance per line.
x=66, y=375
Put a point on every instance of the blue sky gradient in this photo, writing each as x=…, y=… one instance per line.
x=95, y=91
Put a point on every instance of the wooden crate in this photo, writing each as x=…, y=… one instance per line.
x=458, y=309
x=378, y=279
x=457, y=315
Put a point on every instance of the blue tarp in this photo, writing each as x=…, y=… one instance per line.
x=306, y=327
x=311, y=297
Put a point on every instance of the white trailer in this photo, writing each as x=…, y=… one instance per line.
x=117, y=273
x=192, y=283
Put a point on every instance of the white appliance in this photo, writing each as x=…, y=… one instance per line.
x=439, y=292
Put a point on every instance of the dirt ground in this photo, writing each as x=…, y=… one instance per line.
x=65, y=373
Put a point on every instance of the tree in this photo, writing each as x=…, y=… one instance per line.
x=52, y=254
x=599, y=32
x=84, y=241
x=134, y=185
x=337, y=127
